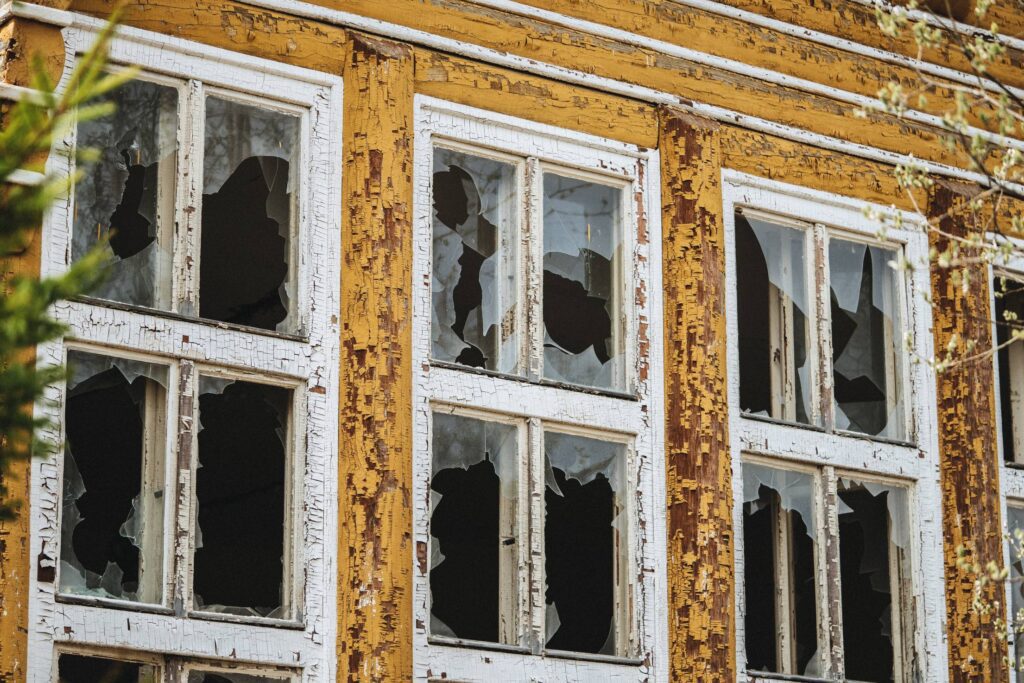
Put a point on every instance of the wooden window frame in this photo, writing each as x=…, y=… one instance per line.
x=633, y=417
x=836, y=453
x=305, y=362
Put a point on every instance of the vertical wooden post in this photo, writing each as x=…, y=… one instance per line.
x=375, y=556
x=699, y=479
x=968, y=451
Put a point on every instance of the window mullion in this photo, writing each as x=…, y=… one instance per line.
x=830, y=603
x=183, y=493
x=823, y=326
x=189, y=218
x=532, y=237
x=536, y=613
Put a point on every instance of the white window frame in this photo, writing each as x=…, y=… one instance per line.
x=306, y=361
x=835, y=453
x=535, y=404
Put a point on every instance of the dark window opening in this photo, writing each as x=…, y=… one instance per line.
x=1009, y=319
x=72, y=668
x=231, y=677
x=240, y=491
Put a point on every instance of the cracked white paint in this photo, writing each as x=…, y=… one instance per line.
x=638, y=422
x=916, y=466
x=304, y=645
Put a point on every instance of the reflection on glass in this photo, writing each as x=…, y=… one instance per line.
x=583, y=283
x=250, y=183
x=112, y=512
x=474, y=545
x=874, y=539
x=586, y=531
x=125, y=200
x=771, y=310
x=867, y=334
x=779, y=545
x=474, y=285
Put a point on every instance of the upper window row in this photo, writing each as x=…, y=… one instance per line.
x=181, y=227
x=820, y=327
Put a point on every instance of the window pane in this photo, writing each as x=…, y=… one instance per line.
x=221, y=676
x=474, y=545
x=1015, y=526
x=475, y=283
x=250, y=179
x=774, y=331
x=585, y=544
x=112, y=511
x=874, y=537
x=125, y=201
x=867, y=334
x=583, y=283
x=779, y=545
x=84, y=669
x=1009, y=317
x=240, y=490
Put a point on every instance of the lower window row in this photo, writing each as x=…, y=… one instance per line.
x=827, y=575
x=74, y=667
x=560, y=585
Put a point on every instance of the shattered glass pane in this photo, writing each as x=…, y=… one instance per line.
x=585, y=541
x=873, y=538
x=583, y=283
x=779, y=573
x=250, y=178
x=125, y=201
x=74, y=668
x=1015, y=526
x=867, y=334
x=474, y=552
x=1009, y=319
x=474, y=285
x=240, y=492
x=219, y=676
x=774, y=331
x=112, y=504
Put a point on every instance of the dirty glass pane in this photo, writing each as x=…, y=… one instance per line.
x=474, y=551
x=874, y=540
x=586, y=531
x=125, y=200
x=779, y=531
x=74, y=668
x=221, y=676
x=1009, y=319
x=867, y=335
x=1015, y=527
x=240, y=491
x=112, y=504
x=774, y=330
x=474, y=285
x=583, y=283
x=250, y=189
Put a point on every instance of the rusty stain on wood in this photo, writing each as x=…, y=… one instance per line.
x=375, y=440
x=968, y=452
x=698, y=470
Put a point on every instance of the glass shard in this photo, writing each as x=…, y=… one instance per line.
x=250, y=178
x=583, y=283
x=124, y=202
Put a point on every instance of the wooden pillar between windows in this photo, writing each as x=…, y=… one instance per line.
x=375, y=558
x=968, y=451
x=21, y=40
x=701, y=579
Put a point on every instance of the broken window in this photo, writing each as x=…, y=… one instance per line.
x=585, y=541
x=776, y=370
x=1015, y=527
x=475, y=281
x=866, y=338
x=226, y=676
x=113, y=498
x=76, y=668
x=583, y=283
x=874, y=540
x=124, y=202
x=241, y=480
x=474, y=536
x=1009, y=319
x=250, y=177
x=780, y=577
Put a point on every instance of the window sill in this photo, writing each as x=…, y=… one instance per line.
x=821, y=430
x=767, y=676
x=113, y=603
x=519, y=649
x=271, y=622
x=578, y=388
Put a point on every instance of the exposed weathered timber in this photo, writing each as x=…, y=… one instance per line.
x=701, y=586
x=968, y=453
x=375, y=458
